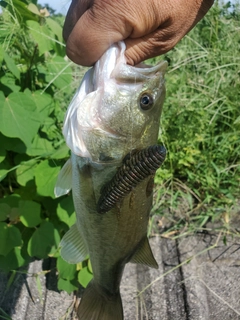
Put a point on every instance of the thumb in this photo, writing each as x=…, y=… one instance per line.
x=98, y=28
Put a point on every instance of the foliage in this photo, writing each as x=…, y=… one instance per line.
x=200, y=128
x=35, y=88
x=201, y=121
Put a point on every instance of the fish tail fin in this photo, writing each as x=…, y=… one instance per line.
x=97, y=305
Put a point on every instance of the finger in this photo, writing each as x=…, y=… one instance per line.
x=105, y=26
x=75, y=11
x=164, y=38
x=149, y=46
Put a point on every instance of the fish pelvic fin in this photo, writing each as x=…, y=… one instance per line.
x=64, y=180
x=97, y=305
x=73, y=247
x=144, y=255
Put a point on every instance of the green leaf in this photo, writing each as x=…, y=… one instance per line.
x=18, y=117
x=34, y=9
x=55, y=27
x=65, y=270
x=43, y=101
x=10, y=81
x=54, y=252
x=39, y=146
x=12, y=200
x=2, y=152
x=84, y=276
x=30, y=213
x=61, y=153
x=59, y=72
x=66, y=285
x=65, y=211
x=12, y=260
x=5, y=210
x=12, y=144
x=14, y=215
x=46, y=174
x=11, y=65
x=42, y=240
x=41, y=35
x=10, y=237
x=25, y=172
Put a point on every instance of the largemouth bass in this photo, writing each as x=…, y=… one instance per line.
x=111, y=127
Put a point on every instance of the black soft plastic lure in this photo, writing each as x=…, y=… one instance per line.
x=136, y=167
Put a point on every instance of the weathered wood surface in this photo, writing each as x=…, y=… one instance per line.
x=192, y=283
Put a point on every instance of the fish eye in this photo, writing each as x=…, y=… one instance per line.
x=146, y=101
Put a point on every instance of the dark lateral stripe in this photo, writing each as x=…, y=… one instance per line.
x=134, y=169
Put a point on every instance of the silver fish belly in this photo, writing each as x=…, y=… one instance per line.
x=115, y=111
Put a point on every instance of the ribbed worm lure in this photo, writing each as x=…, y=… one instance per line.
x=135, y=168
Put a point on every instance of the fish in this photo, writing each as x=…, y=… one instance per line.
x=111, y=127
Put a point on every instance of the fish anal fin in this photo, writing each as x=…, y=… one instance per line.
x=96, y=304
x=64, y=180
x=73, y=247
x=144, y=255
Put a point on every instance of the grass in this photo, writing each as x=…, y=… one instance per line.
x=200, y=127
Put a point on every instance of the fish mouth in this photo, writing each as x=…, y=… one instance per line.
x=138, y=73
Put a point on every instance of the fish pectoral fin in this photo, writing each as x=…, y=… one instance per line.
x=144, y=255
x=64, y=180
x=96, y=304
x=73, y=247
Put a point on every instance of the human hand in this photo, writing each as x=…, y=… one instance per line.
x=148, y=27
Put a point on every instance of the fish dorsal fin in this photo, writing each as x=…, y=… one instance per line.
x=64, y=180
x=73, y=247
x=144, y=255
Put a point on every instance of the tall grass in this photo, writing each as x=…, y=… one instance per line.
x=201, y=122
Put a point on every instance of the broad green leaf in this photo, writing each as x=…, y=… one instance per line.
x=12, y=144
x=43, y=101
x=30, y=213
x=89, y=266
x=39, y=146
x=14, y=215
x=66, y=285
x=46, y=174
x=5, y=210
x=12, y=260
x=56, y=28
x=60, y=73
x=65, y=211
x=11, y=65
x=54, y=252
x=25, y=172
x=49, y=127
x=65, y=270
x=84, y=276
x=18, y=117
x=12, y=200
x=10, y=81
x=61, y=153
x=34, y=9
x=10, y=237
x=42, y=240
x=41, y=35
